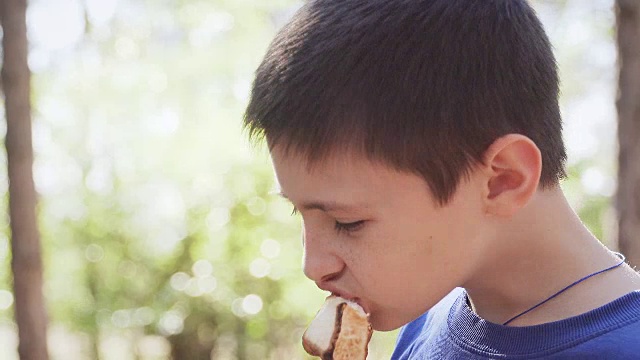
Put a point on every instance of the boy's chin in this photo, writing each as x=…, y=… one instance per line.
x=382, y=322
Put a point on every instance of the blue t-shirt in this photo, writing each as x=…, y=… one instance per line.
x=451, y=330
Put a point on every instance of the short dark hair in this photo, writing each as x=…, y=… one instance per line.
x=422, y=85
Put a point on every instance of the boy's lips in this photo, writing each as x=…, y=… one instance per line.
x=359, y=302
x=343, y=294
x=352, y=299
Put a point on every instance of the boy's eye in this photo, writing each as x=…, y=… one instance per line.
x=340, y=226
x=349, y=227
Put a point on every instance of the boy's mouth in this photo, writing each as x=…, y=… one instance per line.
x=352, y=299
x=333, y=290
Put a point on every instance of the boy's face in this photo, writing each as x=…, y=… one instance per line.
x=377, y=236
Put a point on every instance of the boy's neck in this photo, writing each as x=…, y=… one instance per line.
x=539, y=251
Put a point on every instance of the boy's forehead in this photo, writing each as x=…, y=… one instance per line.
x=294, y=170
x=335, y=161
x=328, y=205
x=338, y=181
x=333, y=173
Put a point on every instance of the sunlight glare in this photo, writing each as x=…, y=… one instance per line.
x=55, y=24
x=6, y=299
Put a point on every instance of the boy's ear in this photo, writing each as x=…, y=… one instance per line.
x=512, y=165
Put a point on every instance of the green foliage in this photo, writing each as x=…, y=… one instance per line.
x=157, y=218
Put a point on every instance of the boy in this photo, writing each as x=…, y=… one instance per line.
x=421, y=142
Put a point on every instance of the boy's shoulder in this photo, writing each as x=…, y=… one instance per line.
x=450, y=330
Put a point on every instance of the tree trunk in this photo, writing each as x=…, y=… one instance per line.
x=628, y=104
x=190, y=344
x=188, y=347
x=26, y=260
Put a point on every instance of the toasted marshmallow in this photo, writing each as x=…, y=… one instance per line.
x=340, y=331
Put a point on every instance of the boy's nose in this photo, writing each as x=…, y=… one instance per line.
x=320, y=263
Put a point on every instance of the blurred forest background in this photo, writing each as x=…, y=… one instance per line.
x=160, y=236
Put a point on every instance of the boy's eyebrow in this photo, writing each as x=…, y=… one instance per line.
x=320, y=205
